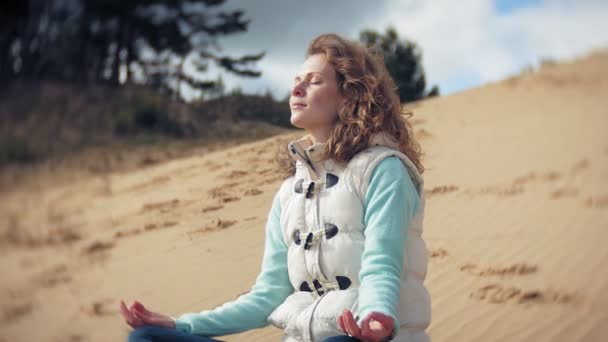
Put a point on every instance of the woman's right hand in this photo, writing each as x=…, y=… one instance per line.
x=137, y=315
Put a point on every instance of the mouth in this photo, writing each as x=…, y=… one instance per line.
x=298, y=105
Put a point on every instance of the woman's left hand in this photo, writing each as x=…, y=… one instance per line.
x=138, y=315
x=374, y=328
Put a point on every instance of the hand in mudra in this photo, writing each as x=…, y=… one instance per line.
x=374, y=328
x=137, y=315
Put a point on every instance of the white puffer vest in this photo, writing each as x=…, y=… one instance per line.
x=322, y=223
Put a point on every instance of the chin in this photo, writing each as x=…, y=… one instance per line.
x=297, y=121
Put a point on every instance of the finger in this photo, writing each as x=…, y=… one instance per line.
x=139, y=311
x=132, y=321
x=365, y=329
x=120, y=307
x=385, y=320
x=351, y=324
x=345, y=327
x=138, y=314
x=123, y=309
x=141, y=307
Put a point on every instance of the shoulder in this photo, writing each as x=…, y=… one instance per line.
x=389, y=170
x=381, y=162
x=390, y=166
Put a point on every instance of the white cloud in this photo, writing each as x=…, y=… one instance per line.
x=468, y=40
x=464, y=43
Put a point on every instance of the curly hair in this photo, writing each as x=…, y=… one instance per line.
x=371, y=104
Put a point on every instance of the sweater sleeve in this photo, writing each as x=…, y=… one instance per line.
x=249, y=311
x=390, y=203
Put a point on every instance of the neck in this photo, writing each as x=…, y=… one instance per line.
x=320, y=135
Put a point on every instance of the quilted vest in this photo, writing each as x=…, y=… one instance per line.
x=322, y=221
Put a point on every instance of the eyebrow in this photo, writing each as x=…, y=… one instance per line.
x=308, y=73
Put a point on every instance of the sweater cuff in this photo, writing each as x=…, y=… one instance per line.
x=182, y=326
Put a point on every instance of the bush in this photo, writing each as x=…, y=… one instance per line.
x=146, y=117
x=237, y=107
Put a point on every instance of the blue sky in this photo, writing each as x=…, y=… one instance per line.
x=506, y=7
x=464, y=43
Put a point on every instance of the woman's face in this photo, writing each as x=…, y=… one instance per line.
x=315, y=98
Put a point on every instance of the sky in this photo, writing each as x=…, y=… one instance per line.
x=464, y=43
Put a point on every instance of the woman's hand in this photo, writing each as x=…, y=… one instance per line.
x=137, y=315
x=374, y=328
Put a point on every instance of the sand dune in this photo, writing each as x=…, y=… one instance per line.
x=516, y=224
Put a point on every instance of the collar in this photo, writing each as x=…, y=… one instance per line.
x=311, y=154
x=308, y=153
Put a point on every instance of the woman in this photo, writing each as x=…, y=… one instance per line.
x=344, y=259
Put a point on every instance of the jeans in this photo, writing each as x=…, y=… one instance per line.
x=150, y=333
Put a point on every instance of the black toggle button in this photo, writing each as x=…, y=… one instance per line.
x=305, y=287
x=330, y=230
x=330, y=180
x=343, y=282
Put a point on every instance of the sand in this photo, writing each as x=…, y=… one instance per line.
x=516, y=223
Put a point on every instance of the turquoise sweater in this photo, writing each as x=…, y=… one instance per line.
x=390, y=202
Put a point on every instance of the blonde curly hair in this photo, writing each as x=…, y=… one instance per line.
x=371, y=104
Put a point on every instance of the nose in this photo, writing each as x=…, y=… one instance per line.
x=297, y=90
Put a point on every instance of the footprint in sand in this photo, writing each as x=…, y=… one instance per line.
x=236, y=174
x=162, y=206
x=154, y=226
x=548, y=176
x=229, y=199
x=120, y=234
x=564, y=192
x=212, y=208
x=16, y=311
x=437, y=253
x=213, y=225
x=253, y=192
x=442, y=189
x=600, y=201
x=74, y=338
x=99, y=308
x=54, y=276
x=98, y=247
x=221, y=193
x=148, y=227
x=514, y=269
x=497, y=293
x=517, y=186
x=500, y=191
x=267, y=171
x=579, y=166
